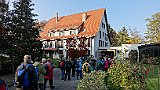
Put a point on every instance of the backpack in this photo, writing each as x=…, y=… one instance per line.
x=23, y=76
x=67, y=65
x=49, y=68
x=86, y=68
x=61, y=64
x=77, y=65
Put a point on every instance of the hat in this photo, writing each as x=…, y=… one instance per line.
x=27, y=59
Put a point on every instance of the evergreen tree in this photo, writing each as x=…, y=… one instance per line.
x=153, y=25
x=25, y=32
x=114, y=37
x=3, y=27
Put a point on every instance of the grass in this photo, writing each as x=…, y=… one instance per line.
x=152, y=84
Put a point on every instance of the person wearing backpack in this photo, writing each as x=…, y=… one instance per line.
x=73, y=67
x=68, y=65
x=62, y=67
x=49, y=76
x=40, y=70
x=25, y=76
x=86, y=68
x=79, y=68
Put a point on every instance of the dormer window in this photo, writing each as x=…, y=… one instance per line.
x=49, y=34
x=60, y=34
x=52, y=34
x=72, y=32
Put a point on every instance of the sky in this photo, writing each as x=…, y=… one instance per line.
x=128, y=13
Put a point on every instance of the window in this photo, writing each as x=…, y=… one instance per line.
x=106, y=44
x=99, y=43
x=103, y=43
x=49, y=34
x=103, y=25
x=100, y=34
x=50, y=44
x=70, y=32
x=103, y=34
x=52, y=34
x=55, y=44
x=60, y=33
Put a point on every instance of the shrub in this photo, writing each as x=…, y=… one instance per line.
x=151, y=60
x=93, y=81
x=133, y=56
x=122, y=77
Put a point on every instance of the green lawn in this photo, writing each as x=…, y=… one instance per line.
x=152, y=84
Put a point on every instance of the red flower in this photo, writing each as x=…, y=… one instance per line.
x=154, y=67
x=146, y=72
x=148, y=69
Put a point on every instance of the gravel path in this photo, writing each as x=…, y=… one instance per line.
x=58, y=83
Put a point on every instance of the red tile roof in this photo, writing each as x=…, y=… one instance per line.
x=74, y=21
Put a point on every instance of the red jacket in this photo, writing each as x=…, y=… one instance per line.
x=50, y=68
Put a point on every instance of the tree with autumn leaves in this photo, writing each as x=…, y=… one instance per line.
x=125, y=36
x=153, y=25
x=76, y=47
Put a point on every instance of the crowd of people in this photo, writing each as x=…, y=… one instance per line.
x=34, y=75
x=31, y=76
x=83, y=66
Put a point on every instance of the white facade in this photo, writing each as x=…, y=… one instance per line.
x=101, y=40
x=98, y=42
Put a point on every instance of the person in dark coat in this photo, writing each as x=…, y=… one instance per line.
x=73, y=67
x=68, y=66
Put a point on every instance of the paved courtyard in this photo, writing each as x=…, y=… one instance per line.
x=60, y=84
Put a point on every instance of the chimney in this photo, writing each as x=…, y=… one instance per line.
x=57, y=18
x=84, y=17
